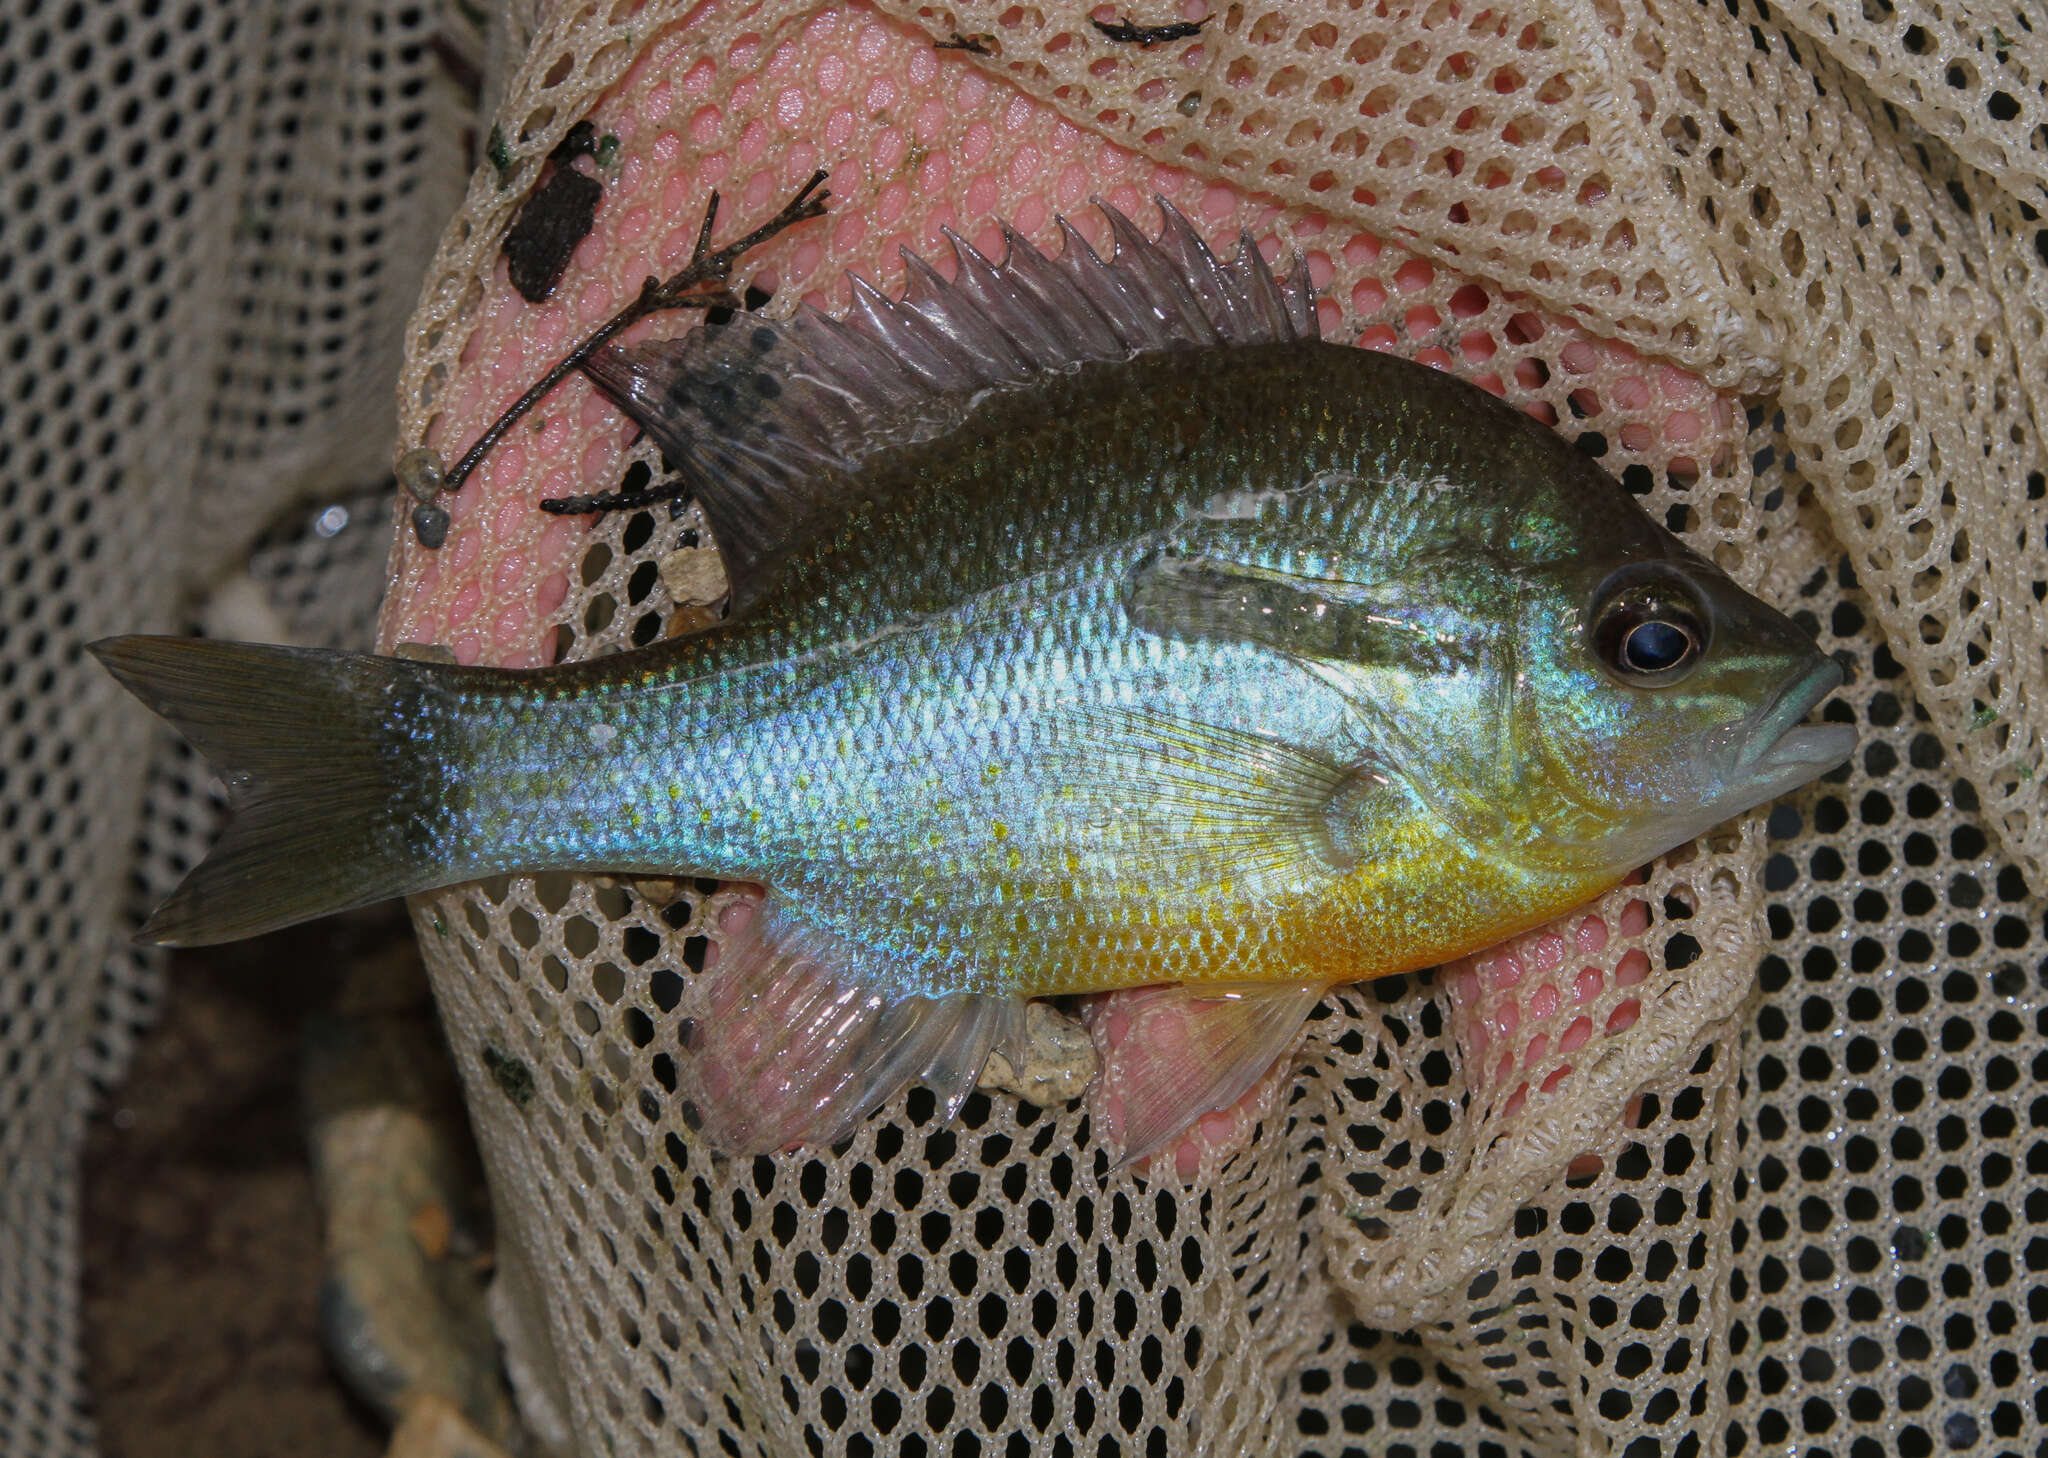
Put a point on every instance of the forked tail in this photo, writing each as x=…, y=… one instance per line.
x=334, y=804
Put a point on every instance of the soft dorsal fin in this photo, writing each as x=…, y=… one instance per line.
x=770, y=421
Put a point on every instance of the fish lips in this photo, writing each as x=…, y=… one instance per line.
x=1777, y=751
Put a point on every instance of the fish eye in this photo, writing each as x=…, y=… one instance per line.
x=1649, y=629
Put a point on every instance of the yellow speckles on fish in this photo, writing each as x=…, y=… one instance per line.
x=675, y=793
x=992, y=772
x=999, y=830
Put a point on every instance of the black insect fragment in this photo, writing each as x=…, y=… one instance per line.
x=977, y=44
x=1123, y=32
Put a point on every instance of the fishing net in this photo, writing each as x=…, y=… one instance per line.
x=1744, y=1155
x=1748, y=1155
x=214, y=224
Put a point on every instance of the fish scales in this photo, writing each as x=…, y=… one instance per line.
x=862, y=742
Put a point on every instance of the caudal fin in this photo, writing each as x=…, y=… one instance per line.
x=325, y=787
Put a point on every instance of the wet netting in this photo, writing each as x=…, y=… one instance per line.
x=1752, y=1155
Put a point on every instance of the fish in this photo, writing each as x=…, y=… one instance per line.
x=1094, y=624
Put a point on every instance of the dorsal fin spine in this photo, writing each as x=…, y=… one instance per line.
x=978, y=334
x=984, y=284
x=1172, y=296
x=1184, y=247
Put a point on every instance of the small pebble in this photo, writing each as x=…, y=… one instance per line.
x=661, y=890
x=693, y=576
x=1058, y=1060
x=692, y=619
x=430, y=525
x=420, y=472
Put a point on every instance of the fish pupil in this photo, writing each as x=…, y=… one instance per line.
x=1655, y=646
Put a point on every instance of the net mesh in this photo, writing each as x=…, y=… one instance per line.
x=1745, y=1156
x=214, y=224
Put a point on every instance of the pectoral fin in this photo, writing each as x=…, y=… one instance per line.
x=785, y=1048
x=1184, y=803
x=1189, y=1050
x=1181, y=593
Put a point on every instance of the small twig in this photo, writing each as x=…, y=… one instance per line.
x=1123, y=32
x=978, y=44
x=702, y=284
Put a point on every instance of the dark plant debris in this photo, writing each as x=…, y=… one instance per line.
x=977, y=44
x=542, y=239
x=499, y=156
x=579, y=141
x=703, y=283
x=558, y=216
x=1123, y=32
x=513, y=1078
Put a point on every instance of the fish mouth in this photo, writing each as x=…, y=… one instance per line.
x=1781, y=751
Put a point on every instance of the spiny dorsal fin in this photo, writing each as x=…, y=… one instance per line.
x=768, y=421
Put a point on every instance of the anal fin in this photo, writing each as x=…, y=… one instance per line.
x=1191, y=1050
x=785, y=1048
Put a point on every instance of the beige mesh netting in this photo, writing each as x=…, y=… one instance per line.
x=214, y=222
x=1748, y=1157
